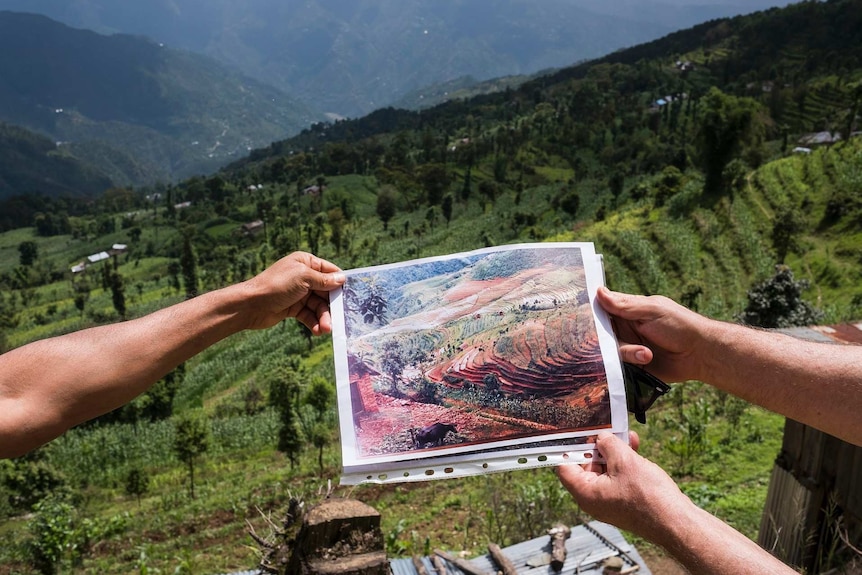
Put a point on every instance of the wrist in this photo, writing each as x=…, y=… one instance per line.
x=674, y=524
x=709, y=347
x=232, y=307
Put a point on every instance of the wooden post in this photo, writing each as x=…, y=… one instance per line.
x=559, y=534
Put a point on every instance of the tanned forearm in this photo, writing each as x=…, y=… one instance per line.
x=704, y=544
x=51, y=385
x=818, y=384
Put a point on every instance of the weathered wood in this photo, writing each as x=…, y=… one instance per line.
x=559, y=534
x=339, y=536
x=374, y=563
x=439, y=566
x=464, y=566
x=504, y=563
x=419, y=566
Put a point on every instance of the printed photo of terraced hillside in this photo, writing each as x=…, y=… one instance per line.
x=467, y=351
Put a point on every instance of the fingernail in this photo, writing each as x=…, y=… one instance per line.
x=339, y=277
x=641, y=356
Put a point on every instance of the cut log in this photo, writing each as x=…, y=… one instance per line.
x=464, y=566
x=419, y=566
x=504, y=563
x=438, y=565
x=559, y=534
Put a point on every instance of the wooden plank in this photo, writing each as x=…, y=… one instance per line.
x=503, y=562
x=439, y=566
x=464, y=566
x=419, y=566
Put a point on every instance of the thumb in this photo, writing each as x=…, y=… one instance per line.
x=623, y=305
x=570, y=475
x=320, y=281
x=613, y=449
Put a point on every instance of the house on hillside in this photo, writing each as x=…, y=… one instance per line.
x=112, y=252
x=251, y=228
x=820, y=138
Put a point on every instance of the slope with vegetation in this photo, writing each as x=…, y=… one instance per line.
x=698, y=197
x=350, y=57
x=138, y=111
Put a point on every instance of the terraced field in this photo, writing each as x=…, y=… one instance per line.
x=500, y=358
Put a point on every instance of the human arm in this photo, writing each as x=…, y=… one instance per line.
x=818, y=384
x=638, y=496
x=48, y=386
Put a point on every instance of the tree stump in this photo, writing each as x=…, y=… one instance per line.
x=336, y=537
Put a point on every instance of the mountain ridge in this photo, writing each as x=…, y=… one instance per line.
x=173, y=114
x=353, y=56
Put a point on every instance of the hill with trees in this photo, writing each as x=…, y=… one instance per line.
x=690, y=161
x=33, y=164
x=350, y=57
x=139, y=111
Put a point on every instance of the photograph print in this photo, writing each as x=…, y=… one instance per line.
x=495, y=348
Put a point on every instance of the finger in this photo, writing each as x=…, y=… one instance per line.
x=634, y=440
x=309, y=319
x=635, y=353
x=324, y=323
x=324, y=266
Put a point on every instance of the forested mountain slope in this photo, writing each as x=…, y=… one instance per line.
x=139, y=111
x=350, y=57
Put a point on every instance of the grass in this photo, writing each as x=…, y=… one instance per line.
x=721, y=248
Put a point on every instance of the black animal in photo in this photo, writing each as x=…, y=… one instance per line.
x=432, y=434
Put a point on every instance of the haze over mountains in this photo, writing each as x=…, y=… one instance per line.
x=137, y=110
x=349, y=57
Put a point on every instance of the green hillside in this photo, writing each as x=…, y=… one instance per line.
x=697, y=198
x=138, y=110
x=30, y=163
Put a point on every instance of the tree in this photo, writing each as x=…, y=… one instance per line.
x=191, y=439
x=393, y=364
x=435, y=180
x=777, y=302
x=28, y=252
x=320, y=396
x=386, y=205
x=786, y=226
x=118, y=294
x=189, y=266
x=668, y=185
x=337, y=224
x=283, y=393
x=446, y=208
x=570, y=202
x=82, y=295
x=137, y=483
x=727, y=125
x=31, y=478
x=320, y=439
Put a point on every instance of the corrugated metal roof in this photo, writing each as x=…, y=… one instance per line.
x=586, y=553
x=842, y=333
